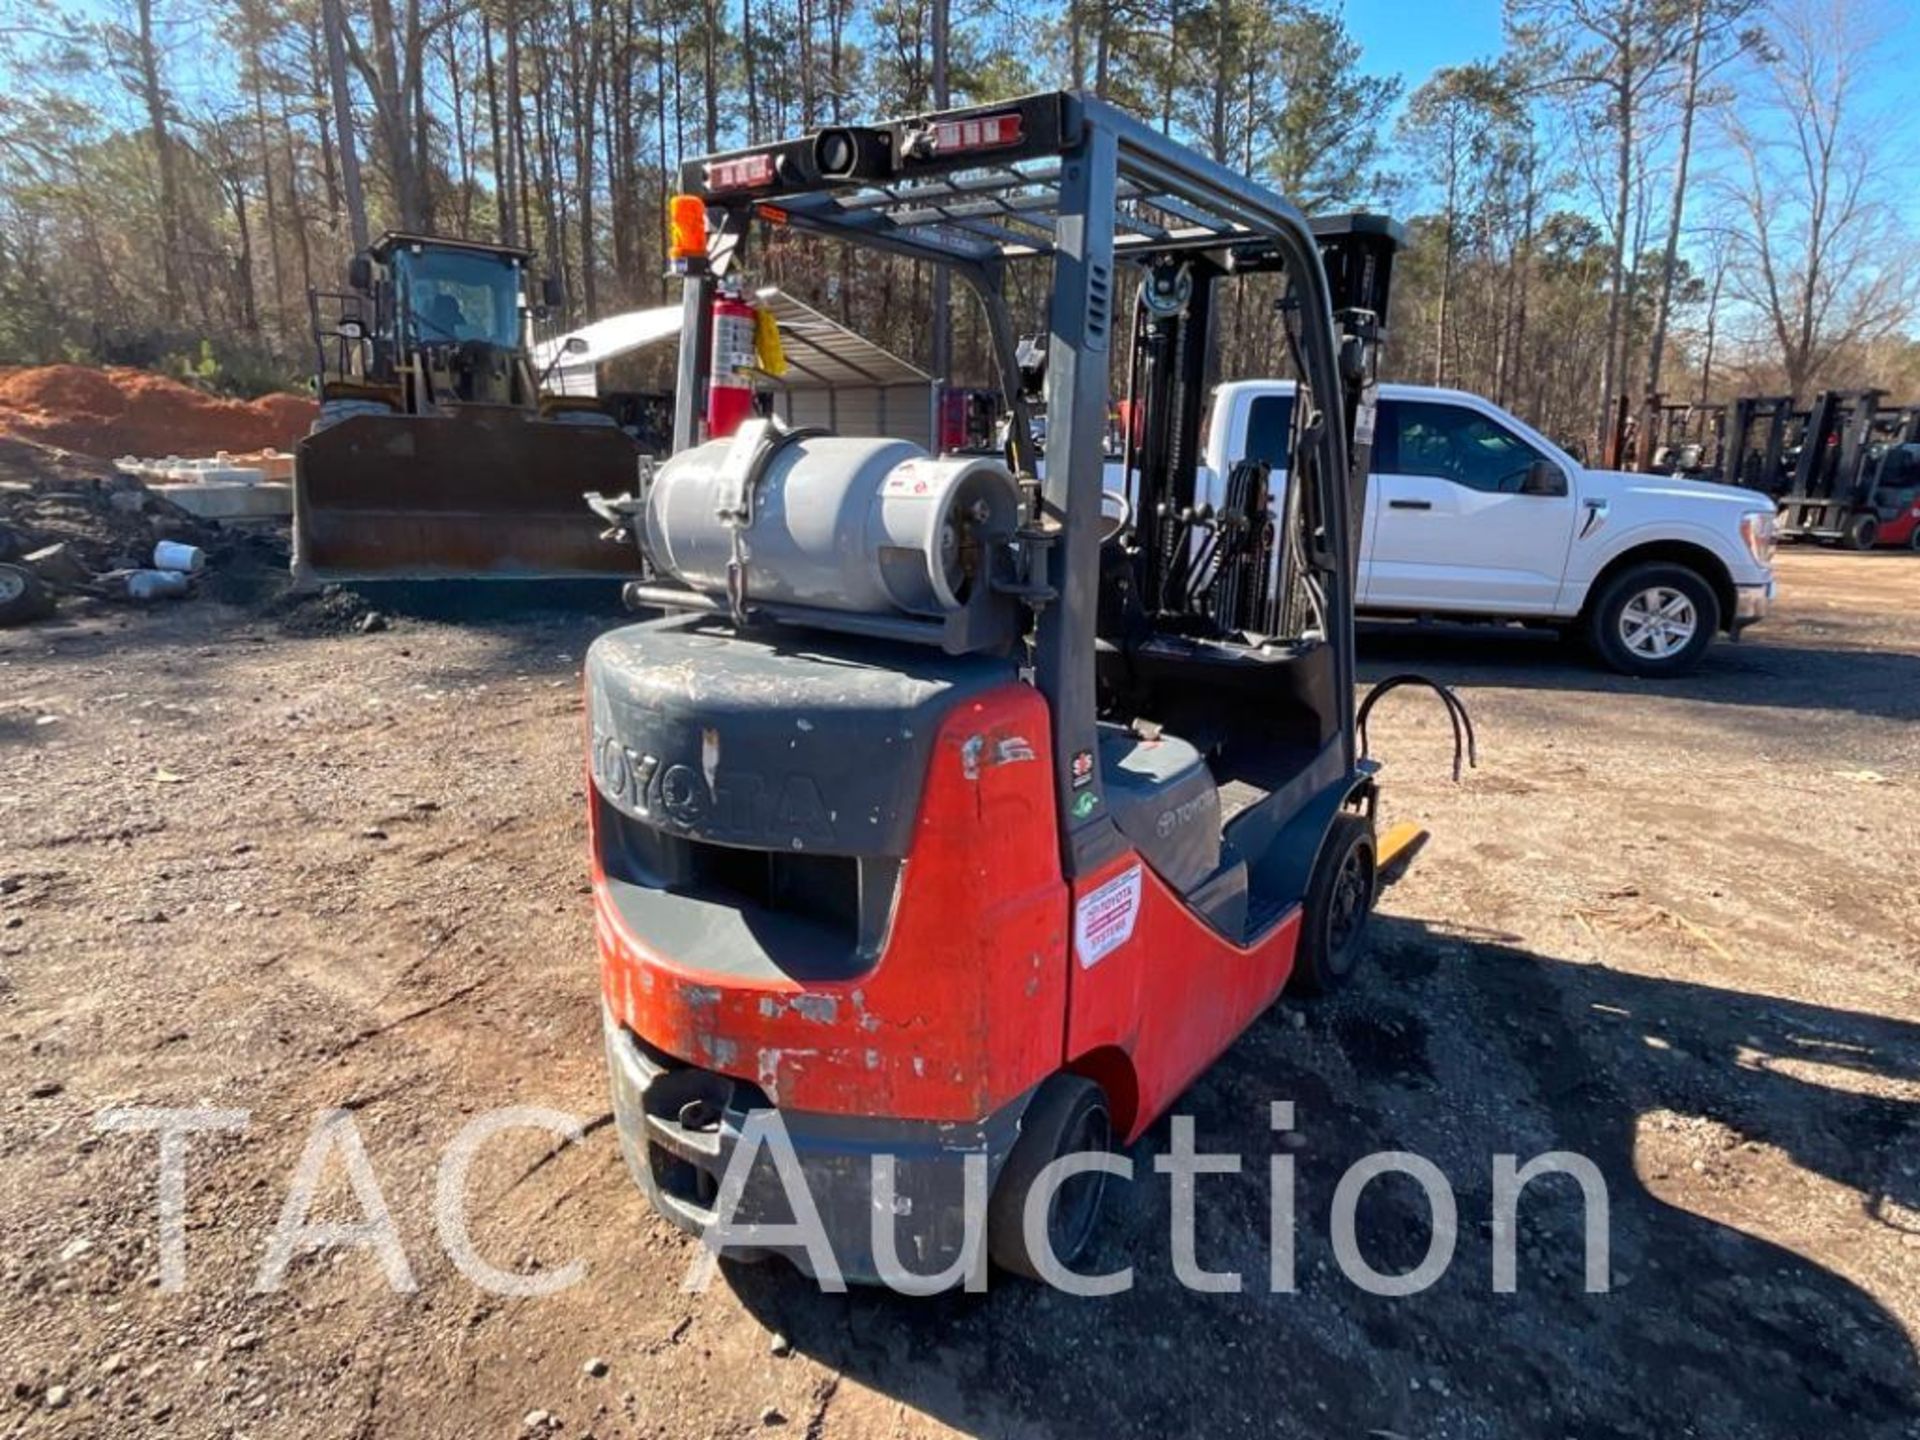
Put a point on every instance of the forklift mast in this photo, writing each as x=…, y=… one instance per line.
x=1831, y=479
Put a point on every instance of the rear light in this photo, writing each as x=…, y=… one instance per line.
x=985, y=132
x=687, y=220
x=1761, y=534
x=744, y=172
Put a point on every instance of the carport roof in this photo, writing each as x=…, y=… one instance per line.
x=821, y=352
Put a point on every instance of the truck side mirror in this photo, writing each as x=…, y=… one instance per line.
x=360, y=273
x=1543, y=477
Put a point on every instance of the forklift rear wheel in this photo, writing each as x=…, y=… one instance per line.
x=1863, y=531
x=1333, y=922
x=1067, y=1116
x=23, y=596
x=1913, y=539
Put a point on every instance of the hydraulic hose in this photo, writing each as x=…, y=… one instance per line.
x=1464, y=743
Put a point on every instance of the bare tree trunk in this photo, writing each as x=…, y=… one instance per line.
x=1449, y=220
x=1713, y=321
x=279, y=305
x=502, y=141
x=1616, y=287
x=343, y=122
x=296, y=212
x=1689, y=107
x=710, y=72
x=462, y=152
x=329, y=169
x=156, y=104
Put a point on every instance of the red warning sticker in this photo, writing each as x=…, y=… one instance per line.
x=1103, y=921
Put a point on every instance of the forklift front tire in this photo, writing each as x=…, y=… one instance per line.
x=1333, y=922
x=1067, y=1116
x=1862, y=532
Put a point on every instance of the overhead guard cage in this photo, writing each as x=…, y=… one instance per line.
x=1071, y=178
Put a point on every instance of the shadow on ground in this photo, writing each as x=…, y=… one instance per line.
x=1880, y=683
x=1477, y=1048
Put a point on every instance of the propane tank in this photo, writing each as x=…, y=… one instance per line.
x=730, y=386
x=836, y=522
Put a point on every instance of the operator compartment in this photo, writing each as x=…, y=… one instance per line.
x=755, y=794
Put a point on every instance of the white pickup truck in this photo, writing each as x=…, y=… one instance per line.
x=1471, y=513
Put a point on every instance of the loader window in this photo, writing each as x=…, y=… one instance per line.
x=454, y=296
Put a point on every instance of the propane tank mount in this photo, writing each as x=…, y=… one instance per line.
x=841, y=532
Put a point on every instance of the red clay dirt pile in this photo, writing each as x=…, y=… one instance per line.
x=119, y=411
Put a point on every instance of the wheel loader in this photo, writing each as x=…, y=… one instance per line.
x=959, y=810
x=435, y=455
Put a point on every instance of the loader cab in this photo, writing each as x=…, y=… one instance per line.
x=427, y=322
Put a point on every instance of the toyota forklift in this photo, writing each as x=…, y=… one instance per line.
x=956, y=806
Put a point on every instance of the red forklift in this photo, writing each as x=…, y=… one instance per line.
x=1835, y=494
x=955, y=806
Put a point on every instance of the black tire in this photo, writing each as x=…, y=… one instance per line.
x=1635, y=595
x=1333, y=920
x=23, y=596
x=1067, y=1114
x=1862, y=533
x=1913, y=539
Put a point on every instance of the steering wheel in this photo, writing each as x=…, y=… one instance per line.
x=1112, y=526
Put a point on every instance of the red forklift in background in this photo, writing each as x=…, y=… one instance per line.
x=1854, y=481
x=953, y=807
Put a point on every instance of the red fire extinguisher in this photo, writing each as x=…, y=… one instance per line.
x=730, y=386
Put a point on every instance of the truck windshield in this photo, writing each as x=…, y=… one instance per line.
x=451, y=295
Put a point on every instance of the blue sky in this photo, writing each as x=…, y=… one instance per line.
x=1417, y=37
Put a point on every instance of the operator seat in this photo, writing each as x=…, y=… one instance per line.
x=447, y=317
x=1164, y=801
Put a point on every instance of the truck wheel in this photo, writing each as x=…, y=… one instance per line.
x=1654, y=620
x=1862, y=533
x=23, y=596
x=1333, y=920
x=1067, y=1116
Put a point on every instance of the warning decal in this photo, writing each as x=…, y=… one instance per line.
x=1103, y=920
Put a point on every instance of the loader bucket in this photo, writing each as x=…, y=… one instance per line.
x=484, y=492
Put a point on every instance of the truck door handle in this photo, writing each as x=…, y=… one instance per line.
x=1409, y=504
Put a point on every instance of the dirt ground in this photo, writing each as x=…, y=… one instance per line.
x=115, y=410
x=1671, y=927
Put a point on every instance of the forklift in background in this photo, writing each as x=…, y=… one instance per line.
x=970, y=420
x=1682, y=439
x=435, y=455
x=1762, y=431
x=1836, y=491
x=1891, y=492
x=953, y=811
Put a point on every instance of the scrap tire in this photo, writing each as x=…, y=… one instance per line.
x=1333, y=919
x=1605, y=619
x=1067, y=1115
x=24, y=596
x=1862, y=533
